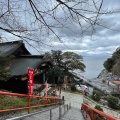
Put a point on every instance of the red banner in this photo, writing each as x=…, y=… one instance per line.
x=30, y=80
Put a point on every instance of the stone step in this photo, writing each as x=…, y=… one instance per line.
x=73, y=114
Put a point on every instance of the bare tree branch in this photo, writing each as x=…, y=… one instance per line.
x=37, y=20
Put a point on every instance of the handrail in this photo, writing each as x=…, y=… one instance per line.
x=106, y=109
x=26, y=95
x=47, y=101
x=30, y=114
x=62, y=109
x=86, y=108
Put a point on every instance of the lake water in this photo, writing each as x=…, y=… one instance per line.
x=94, y=65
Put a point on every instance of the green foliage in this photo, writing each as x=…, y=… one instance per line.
x=96, y=95
x=54, y=56
x=55, y=73
x=103, y=81
x=72, y=61
x=98, y=107
x=5, y=68
x=97, y=116
x=18, y=102
x=62, y=63
x=116, y=54
x=116, y=68
x=108, y=64
x=73, y=88
x=113, y=102
x=112, y=64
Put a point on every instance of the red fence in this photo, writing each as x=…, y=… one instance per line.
x=14, y=102
x=91, y=113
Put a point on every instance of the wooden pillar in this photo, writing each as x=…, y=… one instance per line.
x=43, y=78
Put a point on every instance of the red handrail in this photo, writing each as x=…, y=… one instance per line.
x=86, y=108
x=48, y=100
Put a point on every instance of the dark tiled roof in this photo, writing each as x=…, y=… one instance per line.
x=8, y=48
x=23, y=61
x=21, y=65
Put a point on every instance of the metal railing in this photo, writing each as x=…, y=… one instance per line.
x=105, y=108
x=74, y=104
x=53, y=113
x=15, y=102
x=91, y=113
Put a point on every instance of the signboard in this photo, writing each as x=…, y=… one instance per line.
x=30, y=80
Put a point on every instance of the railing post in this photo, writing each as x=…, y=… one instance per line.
x=69, y=105
x=3, y=101
x=86, y=110
x=59, y=112
x=63, y=102
x=50, y=114
x=64, y=109
x=29, y=104
x=93, y=115
x=46, y=101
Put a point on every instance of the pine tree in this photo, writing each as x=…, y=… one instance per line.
x=5, y=72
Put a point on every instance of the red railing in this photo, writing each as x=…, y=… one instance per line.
x=14, y=101
x=91, y=113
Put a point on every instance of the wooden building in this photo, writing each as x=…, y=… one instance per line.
x=19, y=67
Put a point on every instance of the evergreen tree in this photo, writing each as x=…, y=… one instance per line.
x=112, y=64
x=63, y=63
x=5, y=68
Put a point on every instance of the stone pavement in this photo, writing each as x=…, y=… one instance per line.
x=71, y=114
x=75, y=100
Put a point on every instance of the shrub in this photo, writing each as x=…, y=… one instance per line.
x=73, y=88
x=96, y=95
x=98, y=107
x=97, y=116
x=113, y=102
x=103, y=81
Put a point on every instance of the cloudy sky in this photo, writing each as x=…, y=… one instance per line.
x=67, y=31
x=103, y=40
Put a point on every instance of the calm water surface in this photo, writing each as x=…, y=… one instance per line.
x=94, y=65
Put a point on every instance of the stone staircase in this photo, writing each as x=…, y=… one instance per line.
x=71, y=114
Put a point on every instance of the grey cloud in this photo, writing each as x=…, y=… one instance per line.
x=102, y=40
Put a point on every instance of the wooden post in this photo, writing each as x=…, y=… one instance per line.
x=29, y=104
x=93, y=115
x=2, y=101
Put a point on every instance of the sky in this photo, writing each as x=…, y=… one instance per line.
x=100, y=42
x=95, y=44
